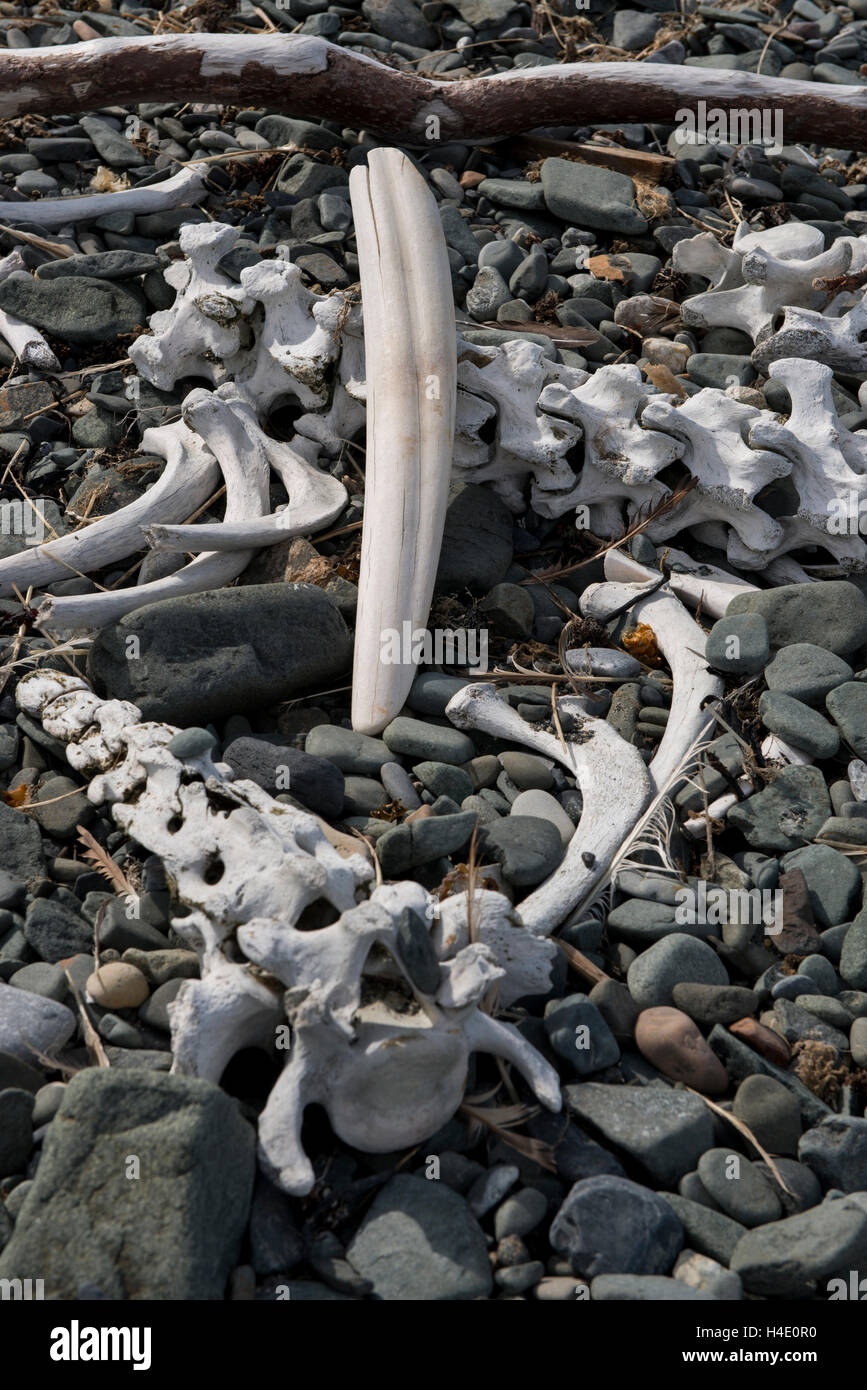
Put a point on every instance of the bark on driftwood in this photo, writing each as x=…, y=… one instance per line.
x=308, y=76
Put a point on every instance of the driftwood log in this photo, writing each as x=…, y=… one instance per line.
x=307, y=76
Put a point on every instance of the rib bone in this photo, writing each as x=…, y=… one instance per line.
x=681, y=641
x=614, y=784
x=224, y=421
x=190, y=476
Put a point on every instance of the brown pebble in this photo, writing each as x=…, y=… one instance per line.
x=471, y=178
x=799, y=935
x=421, y=813
x=762, y=1040
x=670, y=1040
x=117, y=985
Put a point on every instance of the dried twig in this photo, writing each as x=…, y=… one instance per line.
x=636, y=528
x=92, y=1040
x=745, y=1130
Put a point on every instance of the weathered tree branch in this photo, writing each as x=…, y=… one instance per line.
x=308, y=76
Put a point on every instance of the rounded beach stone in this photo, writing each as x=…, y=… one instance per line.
x=798, y=724
x=806, y=672
x=671, y=1041
x=738, y=644
x=738, y=1188
x=676, y=958
x=611, y=1225
x=118, y=986
x=772, y=1112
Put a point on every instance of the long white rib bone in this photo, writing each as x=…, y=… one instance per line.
x=186, y=186
x=315, y=499
x=411, y=356
x=26, y=342
x=682, y=642
x=225, y=421
x=611, y=775
x=190, y=476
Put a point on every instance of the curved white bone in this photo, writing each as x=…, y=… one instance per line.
x=190, y=476
x=186, y=186
x=614, y=784
x=224, y=422
x=412, y=365
x=681, y=641
x=315, y=499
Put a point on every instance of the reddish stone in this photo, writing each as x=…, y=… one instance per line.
x=670, y=1040
x=762, y=1040
x=799, y=936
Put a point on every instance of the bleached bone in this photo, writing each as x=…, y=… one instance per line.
x=695, y=584
x=614, y=783
x=204, y=324
x=411, y=363
x=711, y=427
x=315, y=499
x=225, y=422
x=778, y=750
x=704, y=255
x=297, y=342
x=186, y=186
x=607, y=406
x=397, y=1077
x=682, y=642
x=528, y=440
x=190, y=476
x=25, y=341
x=246, y=868
x=829, y=462
x=806, y=333
x=770, y=283
x=526, y=959
x=331, y=428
